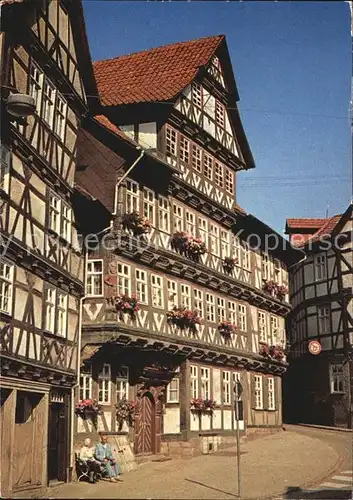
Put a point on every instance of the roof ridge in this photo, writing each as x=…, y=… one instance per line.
x=221, y=37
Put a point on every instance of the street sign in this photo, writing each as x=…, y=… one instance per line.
x=238, y=389
x=315, y=347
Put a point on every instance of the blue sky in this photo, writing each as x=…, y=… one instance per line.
x=292, y=65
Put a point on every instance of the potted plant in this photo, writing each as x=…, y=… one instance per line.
x=188, y=245
x=226, y=328
x=281, y=291
x=179, y=241
x=277, y=352
x=125, y=411
x=125, y=305
x=202, y=405
x=265, y=350
x=87, y=408
x=183, y=318
x=270, y=287
x=229, y=264
x=136, y=223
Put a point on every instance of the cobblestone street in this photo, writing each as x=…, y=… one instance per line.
x=271, y=466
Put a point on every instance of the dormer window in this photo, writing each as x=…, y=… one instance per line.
x=196, y=94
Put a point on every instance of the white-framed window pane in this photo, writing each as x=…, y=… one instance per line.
x=203, y=230
x=6, y=286
x=208, y=166
x=246, y=255
x=35, y=85
x=48, y=103
x=141, y=286
x=262, y=326
x=173, y=391
x=320, y=267
x=104, y=384
x=271, y=393
x=5, y=162
x=218, y=174
x=172, y=288
x=324, y=320
x=197, y=158
x=66, y=222
x=170, y=141
x=237, y=249
x=274, y=329
x=50, y=308
x=205, y=383
x=86, y=382
x=214, y=240
x=232, y=312
x=184, y=150
x=198, y=302
x=242, y=317
x=220, y=114
x=62, y=314
x=122, y=383
x=336, y=378
x=94, y=278
x=229, y=181
x=194, y=382
x=226, y=388
x=60, y=116
x=178, y=219
x=185, y=296
x=54, y=212
x=190, y=223
x=265, y=266
x=149, y=205
x=258, y=392
x=210, y=308
x=132, y=197
x=163, y=214
x=157, y=291
x=221, y=309
x=196, y=94
x=124, y=279
x=225, y=245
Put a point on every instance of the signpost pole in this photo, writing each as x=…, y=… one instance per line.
x=237, y=396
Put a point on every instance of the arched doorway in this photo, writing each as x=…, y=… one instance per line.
x=145, y=425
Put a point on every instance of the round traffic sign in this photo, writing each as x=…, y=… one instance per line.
x=315, y=347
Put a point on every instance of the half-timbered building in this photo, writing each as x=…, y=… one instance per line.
x=46, y=66
x=318, y=385
x=160, y=166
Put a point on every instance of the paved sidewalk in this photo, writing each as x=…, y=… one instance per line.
x=269, y=466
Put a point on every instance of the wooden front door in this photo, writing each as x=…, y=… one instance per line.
x=145, y=436
x=57, y=442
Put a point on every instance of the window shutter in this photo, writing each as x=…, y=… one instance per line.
x=252, y=390
x=265, y=393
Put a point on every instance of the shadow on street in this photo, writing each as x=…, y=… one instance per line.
x=294, y=492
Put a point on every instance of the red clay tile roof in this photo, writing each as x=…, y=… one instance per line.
x=7, y=2
x=105, y=122
x=326, y=228
x=305, y=223
x=153, y=75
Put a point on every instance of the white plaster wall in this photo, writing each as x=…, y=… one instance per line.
x=217, y=419
x=227, y=419
x=148, y=135
x=217, y=385
x=206, y=421
x=171, y=421
x=194, y=421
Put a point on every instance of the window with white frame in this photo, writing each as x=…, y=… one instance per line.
x=229, y=181
x=225, y=245
x=60, y=117
x=196, y=94
x=265, y=266
x=194, y=382
x=324, y=319
x=218, y=174
x=320, y=267
x=157, y=291
x=94, y=278
x=48, y=103
x=197, y=158
x=221, y=309
x=60, y=217
x=148, y=205
x=6, y=286
x=271, y=393
x=123, y=279
x=104, y=384
x=178, y=218
x=232, y=312
x=261, y=319
x=198, y=302
x=274, y=329
x=258, y=392
x=185, y=295
x=86, y=382
x=61, y=327
x=50, y=307
x=246, y=255
x=203, y=230
x=237, y=249
x=336, y=378
x=242, y=323
x=278, y=270
x=122, y=383
x=36, y=85
x=220, y=114
x=190, y=223
x=163, y=214
x=210, y=308
x=141, y=286
x=208, y=166
x=132, y=197
x=173, y=391
x=214, y=239
x=5, y=162
x=172, y=288
x=170, y=141
x=226, y=388
x=184, y=149
x=205, y=383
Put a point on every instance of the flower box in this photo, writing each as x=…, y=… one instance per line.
x=125, y=411
x=126, y=305
x=281, y=291
x=87, y=408
x=188, y=245
x=183, y=318
x=272, y=352
x=136, y=223
x=229, y=264
x=203, y=405
x=226, y=328
x=274, y=289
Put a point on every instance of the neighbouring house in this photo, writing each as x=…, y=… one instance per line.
x=182, y=298
x=318, y=387
x=46, y=73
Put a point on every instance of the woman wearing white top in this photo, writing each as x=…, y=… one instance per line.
x=87, y=455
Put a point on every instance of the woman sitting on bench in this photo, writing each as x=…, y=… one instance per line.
x=87, y=456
